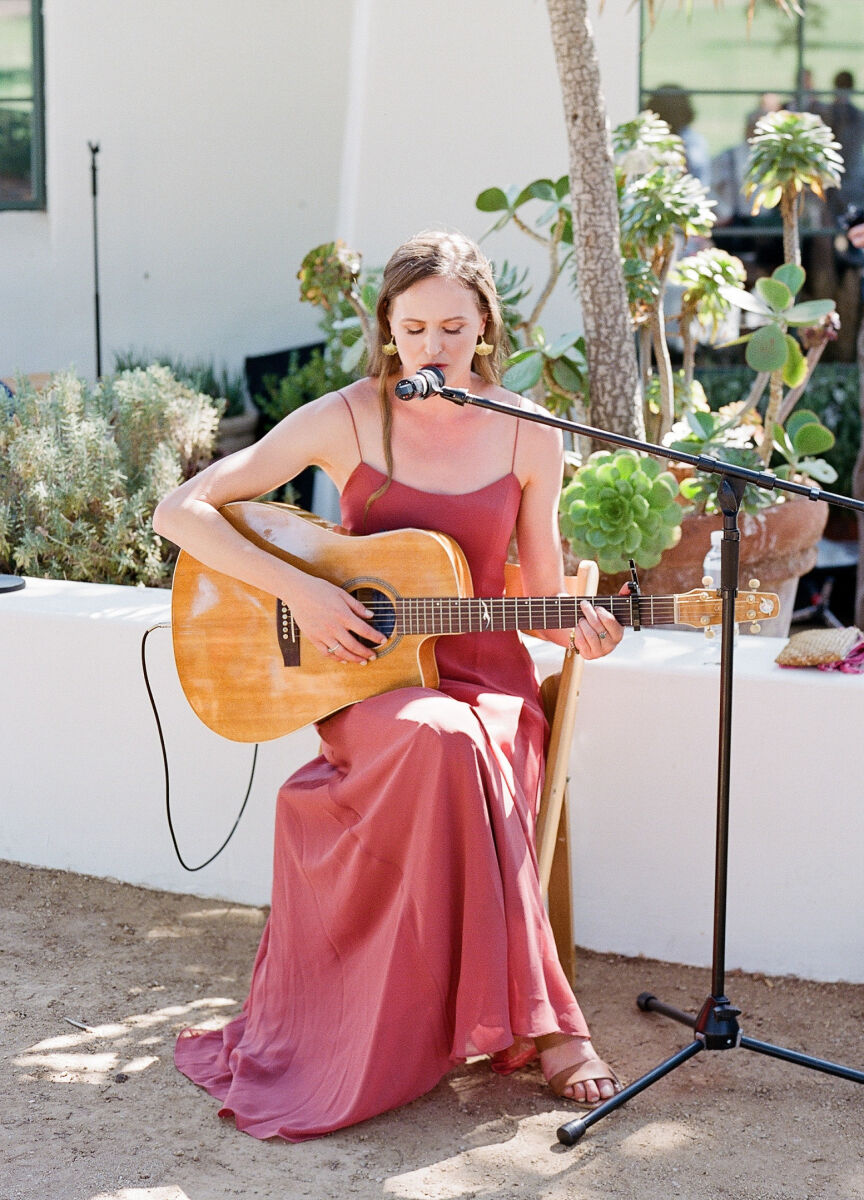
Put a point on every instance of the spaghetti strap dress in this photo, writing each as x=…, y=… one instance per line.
x=407, y=930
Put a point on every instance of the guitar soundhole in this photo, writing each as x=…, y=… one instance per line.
x=384, y=620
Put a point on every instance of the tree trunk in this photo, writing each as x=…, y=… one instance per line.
x=616, y=401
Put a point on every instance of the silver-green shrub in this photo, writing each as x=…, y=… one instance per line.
x=82, y=469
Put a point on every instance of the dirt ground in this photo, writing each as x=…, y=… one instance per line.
x=97, y=977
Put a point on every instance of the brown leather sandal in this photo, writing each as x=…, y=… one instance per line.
x=580, y=1072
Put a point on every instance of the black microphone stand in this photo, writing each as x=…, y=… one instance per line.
x=94, y=150
x=716, y=1025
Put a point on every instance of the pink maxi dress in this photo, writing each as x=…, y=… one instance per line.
x=407, y=929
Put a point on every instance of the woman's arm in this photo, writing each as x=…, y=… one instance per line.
x=541, y=462
x=318, y=434
x=856, y=236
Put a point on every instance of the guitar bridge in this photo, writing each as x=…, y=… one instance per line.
x=288, y=635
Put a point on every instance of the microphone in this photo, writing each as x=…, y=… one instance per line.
x=428, y=380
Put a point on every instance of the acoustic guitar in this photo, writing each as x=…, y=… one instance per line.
x=251, y=675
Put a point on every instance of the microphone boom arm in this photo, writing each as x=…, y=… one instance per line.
x=701, y=462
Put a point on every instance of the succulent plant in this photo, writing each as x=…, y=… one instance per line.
x=621, y=505
x=791, y=152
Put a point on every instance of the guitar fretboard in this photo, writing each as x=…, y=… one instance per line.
x=427, y=615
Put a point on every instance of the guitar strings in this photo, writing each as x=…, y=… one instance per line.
x=510, y=612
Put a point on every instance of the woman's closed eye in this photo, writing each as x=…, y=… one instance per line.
x=452, y=332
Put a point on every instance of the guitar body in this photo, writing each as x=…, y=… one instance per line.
x=241, y=671
x=250, y=675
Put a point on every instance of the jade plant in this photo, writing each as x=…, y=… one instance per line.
x=619, y=506
x=773, y=352
x=554, y=371
x=737, y=433
x=331, y=277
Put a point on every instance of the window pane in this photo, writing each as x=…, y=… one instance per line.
x=710, y=48
x=833, y=42
x=834, y=45
x=17, y=103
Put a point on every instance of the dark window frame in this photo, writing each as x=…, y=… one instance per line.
x=38, y=200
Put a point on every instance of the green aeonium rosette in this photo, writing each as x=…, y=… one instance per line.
x=621, y=506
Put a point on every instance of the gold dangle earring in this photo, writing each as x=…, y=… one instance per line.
x=390, y=348
x=483, y=348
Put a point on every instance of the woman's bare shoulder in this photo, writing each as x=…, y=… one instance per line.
x=333, y=407
x=327, y=431
x=543, y=438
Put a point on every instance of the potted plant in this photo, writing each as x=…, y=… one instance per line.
x=659, y=205
x=331, y=277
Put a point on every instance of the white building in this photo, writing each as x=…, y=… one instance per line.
x=234, y=135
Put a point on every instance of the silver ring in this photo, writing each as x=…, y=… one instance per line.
x=333, y=649
x=601, y=635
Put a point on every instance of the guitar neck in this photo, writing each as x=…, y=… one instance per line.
x=427, y=615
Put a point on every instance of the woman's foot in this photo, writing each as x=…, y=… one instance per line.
x=519, y=1054
x=574, y=1071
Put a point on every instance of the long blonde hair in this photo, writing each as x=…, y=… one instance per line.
x=449, y=256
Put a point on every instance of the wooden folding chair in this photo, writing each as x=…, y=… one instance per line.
x=560, y=695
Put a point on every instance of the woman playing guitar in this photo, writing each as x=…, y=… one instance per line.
x=407, y=930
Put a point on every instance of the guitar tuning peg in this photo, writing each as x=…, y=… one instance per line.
x=753, y=584
x=708, y=581
x=755, y=627
x=710, y=632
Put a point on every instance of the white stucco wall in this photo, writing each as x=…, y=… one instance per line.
x=82, y=787
x=236, y=134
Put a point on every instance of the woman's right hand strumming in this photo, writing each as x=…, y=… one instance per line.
x=332, y=619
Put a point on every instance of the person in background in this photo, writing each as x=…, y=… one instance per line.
x=673, y=105
x=846, y=121
x=856, y=236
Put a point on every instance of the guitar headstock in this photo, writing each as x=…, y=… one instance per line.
x=702, y=607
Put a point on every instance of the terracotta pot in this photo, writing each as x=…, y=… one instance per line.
x=778, y=545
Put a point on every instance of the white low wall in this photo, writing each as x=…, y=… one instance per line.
x=83, y=785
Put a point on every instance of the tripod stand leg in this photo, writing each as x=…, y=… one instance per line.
x=649, y=1003
x=570, y=1133
x=802, y=1060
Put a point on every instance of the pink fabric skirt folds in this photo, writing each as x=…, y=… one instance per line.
x=407, y=930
